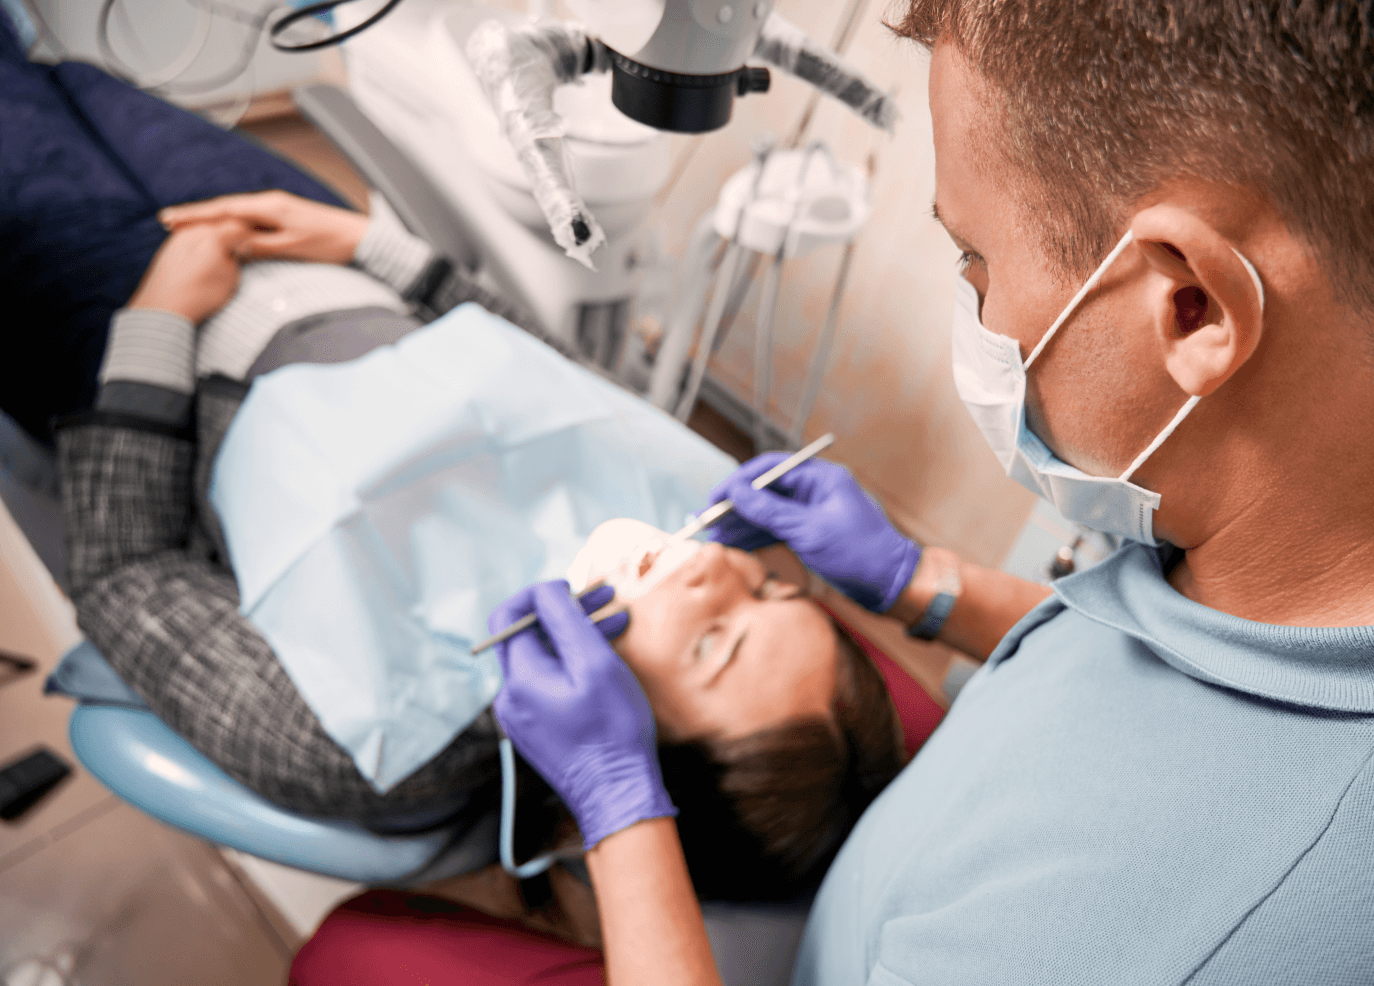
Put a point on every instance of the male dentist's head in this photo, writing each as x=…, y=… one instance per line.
x=1215, y=173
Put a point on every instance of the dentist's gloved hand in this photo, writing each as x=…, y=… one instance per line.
x=821, y=513
x=575, y=711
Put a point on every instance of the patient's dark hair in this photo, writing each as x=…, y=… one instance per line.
x=762, y=816
x=1104, y=100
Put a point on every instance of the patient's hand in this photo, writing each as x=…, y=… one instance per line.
x=195, y=271
x=283, y=225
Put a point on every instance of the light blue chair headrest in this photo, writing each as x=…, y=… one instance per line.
x=148, y=765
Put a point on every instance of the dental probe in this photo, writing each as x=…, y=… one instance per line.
x=699, y=523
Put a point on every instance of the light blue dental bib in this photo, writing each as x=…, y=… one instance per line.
x=376, y=511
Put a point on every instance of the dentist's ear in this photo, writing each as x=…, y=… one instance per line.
x=1209, y=314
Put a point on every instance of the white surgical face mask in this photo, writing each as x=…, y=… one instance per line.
x=991, y=380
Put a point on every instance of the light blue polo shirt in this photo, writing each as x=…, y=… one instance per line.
x=1135, y=789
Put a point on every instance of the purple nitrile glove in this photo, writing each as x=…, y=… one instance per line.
x=820, y=511
x=575, y=711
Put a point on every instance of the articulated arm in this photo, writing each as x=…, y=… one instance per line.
x=519, y=69
x=787, y=46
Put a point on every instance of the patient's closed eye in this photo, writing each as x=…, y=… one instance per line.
x=771, y=589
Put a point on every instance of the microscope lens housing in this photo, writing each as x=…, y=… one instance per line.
x=679, y=64
x=677, y=101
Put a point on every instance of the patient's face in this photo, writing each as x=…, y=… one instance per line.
x=723, y=650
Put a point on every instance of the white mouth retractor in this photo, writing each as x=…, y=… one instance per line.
x=629, y=555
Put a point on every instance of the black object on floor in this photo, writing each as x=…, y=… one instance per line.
x=24, y=781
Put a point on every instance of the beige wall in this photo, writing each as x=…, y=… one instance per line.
x=888, y=394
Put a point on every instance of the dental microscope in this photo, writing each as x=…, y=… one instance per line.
x=552, y=137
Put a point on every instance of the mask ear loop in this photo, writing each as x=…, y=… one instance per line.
x=1088, y=285
x=1183, y=412
x=1192, y=401
x=1254, y=276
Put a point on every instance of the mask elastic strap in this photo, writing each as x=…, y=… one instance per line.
x=1254, y=276
x=1192, y=401
x=1078, y=298
x=1159, y=439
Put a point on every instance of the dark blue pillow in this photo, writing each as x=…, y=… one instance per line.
x=9, y=37
x=86, y=161
x=175, y=155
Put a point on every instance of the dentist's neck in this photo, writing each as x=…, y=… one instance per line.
x=1297, y=574
x=1282, y=529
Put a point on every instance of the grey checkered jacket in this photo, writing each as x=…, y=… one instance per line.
x=152, y=590
x=149, y=576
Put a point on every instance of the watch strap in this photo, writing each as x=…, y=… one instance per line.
x=928, y=627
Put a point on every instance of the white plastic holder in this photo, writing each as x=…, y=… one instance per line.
x=805, y=200
x=783, y=206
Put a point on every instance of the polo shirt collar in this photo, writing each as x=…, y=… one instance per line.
x=1322, y=667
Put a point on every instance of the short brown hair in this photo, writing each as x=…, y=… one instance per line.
x=1107, y=99
x=761, y=817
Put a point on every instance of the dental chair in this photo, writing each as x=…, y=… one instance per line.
x=115, y=736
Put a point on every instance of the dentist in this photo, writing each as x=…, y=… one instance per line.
x=1164, y=773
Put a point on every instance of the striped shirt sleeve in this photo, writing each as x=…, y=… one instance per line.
x=389, y=252
x=150, y=346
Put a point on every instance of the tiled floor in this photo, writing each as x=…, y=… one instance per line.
x=83, y=875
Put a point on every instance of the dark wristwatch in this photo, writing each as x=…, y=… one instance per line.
x=947, y=589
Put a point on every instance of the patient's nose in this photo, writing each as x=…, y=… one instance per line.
x=712, y=572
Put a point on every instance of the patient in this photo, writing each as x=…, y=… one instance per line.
x=776, y=730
